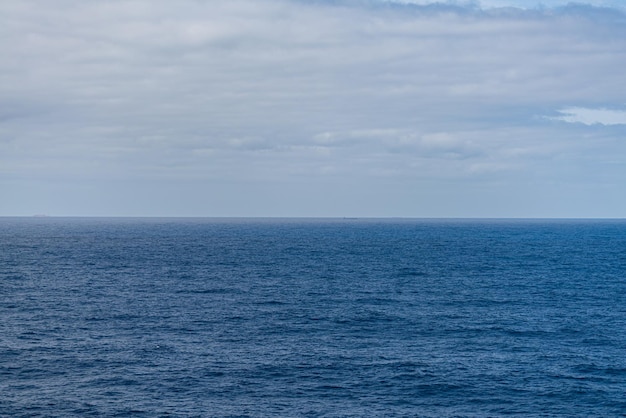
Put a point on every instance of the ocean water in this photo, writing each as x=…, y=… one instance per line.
x=312, y=317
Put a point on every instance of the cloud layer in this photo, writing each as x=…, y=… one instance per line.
x=256, y=108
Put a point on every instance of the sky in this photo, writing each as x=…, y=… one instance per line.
x=313, y=108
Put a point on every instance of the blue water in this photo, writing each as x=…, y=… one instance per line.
x=332, y=318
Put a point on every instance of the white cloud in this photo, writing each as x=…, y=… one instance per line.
x=591, y=116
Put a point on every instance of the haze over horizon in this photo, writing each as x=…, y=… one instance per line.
x=313, y=108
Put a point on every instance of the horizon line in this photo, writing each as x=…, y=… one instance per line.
x=41, y=216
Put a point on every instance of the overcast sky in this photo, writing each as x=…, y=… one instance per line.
x=497, y=108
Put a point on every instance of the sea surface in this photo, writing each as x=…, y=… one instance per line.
x=312, y=317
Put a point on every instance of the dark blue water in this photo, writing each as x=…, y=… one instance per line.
x=165, y=317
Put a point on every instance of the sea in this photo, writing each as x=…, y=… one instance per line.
x=165, y=317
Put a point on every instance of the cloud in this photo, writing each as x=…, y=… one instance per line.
x=552, y=3
x=296, y=91
x=590, y=116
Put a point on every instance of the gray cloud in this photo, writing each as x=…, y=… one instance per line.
x=297, y=96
